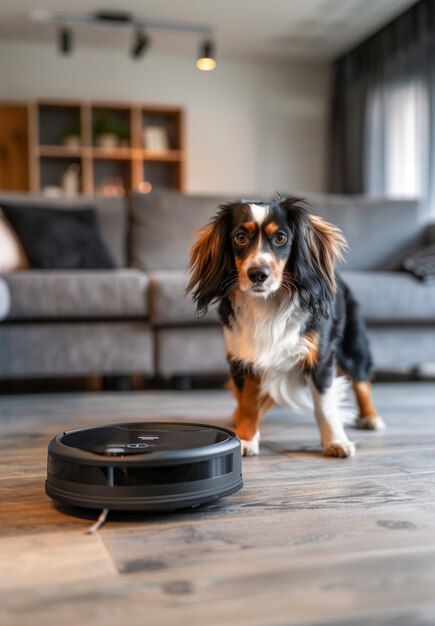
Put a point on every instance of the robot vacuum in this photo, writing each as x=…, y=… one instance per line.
x=143, y=466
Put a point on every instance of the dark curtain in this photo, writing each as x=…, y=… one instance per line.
x=401, y=50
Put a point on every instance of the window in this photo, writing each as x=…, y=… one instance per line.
x=397, y=140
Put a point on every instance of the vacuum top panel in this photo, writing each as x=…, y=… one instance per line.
x=155, y=440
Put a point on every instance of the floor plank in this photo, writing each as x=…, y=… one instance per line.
x=34, y=561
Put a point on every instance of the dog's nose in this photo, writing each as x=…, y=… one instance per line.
x=258, y=274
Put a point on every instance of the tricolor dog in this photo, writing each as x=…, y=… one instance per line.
x=289, y=321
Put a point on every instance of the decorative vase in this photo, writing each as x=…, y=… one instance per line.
x=71, y=181
x=72, y=141
x=107, y=140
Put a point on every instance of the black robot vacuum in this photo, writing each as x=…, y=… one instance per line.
x=143, y=466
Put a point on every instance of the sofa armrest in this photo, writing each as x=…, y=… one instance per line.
x=5, y=299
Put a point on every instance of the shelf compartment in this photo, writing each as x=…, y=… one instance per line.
x=112, y=177
x=52, y=169
x=162, y=174
x=111, y=120
x=169, y=120
x=55, y=120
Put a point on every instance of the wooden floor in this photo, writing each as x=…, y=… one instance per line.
x=308, y=540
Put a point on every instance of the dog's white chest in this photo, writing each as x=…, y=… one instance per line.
x=265, y=333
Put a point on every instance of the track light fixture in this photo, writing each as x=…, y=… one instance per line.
x=206, y=60
x=122, y=20
x=65, y=41
x=141, y=43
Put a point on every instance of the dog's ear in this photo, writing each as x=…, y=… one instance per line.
x=326, y=244
x=211, y=260
x=316, y=247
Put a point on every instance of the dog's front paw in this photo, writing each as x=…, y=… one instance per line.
x=251, y=447
x=370, y=422
x=340, y=449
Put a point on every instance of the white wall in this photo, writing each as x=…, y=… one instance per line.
x=251, y=127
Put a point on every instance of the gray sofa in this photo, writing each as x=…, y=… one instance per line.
x=136, y=319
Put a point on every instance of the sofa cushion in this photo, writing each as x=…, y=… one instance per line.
x=392, y=297
x=38, y=349
x=168, y=304
x=190, y=351
x=379, y=231
x=402, y=348
x=112, y=217
x=162, y=224
x=47, y=295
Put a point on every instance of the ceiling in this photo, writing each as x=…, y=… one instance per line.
x=317, y=30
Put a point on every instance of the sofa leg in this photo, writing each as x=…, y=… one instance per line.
x=94, y=383
x=182, y=383
x=117, y=383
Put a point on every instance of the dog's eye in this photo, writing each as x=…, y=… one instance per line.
x=241, y=239
x=280, y=238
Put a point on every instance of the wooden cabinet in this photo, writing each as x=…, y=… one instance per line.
x=105, y=142
x=14, y=157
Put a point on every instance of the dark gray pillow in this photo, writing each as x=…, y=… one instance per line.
x=421, y=263
x=58, y=238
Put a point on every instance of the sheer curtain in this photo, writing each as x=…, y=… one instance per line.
x=396, y=149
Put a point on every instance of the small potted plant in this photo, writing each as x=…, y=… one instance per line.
x=71, y=137
x=124, y=136
x=109, y=131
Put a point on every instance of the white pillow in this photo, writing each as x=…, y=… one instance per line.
x=12, y=256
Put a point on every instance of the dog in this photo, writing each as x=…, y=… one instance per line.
x=290, y=323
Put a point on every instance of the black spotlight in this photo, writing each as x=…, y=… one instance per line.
x=65, y=41
x=140, y=44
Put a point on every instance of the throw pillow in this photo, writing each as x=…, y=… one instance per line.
x=12, y=255
x=59, y=239
x=421, y=263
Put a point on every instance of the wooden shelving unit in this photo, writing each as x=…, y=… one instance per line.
x=14, y=157
x=131, y=163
